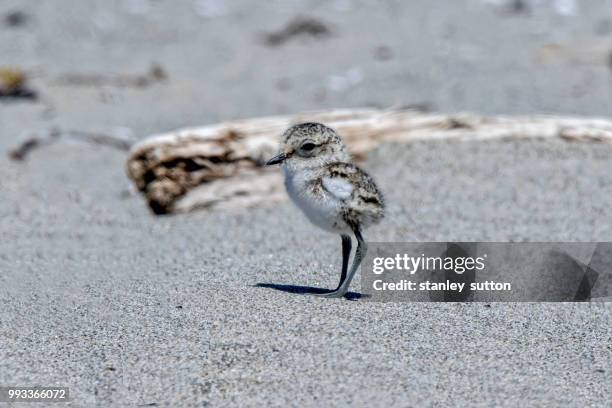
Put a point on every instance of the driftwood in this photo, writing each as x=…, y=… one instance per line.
x=222, y=164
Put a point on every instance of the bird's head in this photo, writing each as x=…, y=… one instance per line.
x=308, y=145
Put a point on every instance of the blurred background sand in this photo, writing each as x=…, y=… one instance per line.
x=474, y=55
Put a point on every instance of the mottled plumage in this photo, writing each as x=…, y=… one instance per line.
x=333, y=193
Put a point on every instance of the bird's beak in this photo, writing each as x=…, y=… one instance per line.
x=279, y=158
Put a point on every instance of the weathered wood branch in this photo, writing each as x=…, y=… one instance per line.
x=222, y=164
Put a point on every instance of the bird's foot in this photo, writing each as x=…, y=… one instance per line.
x=338, y=293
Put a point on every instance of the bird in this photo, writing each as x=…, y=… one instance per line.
x=334, y=194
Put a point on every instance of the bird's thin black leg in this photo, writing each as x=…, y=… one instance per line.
x=360, y=253
x=346, y=254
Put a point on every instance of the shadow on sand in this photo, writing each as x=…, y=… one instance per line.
x=307, y=290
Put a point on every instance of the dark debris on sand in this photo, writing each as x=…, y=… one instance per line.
x=13, y=84
x=298, y=27
x=15, y=19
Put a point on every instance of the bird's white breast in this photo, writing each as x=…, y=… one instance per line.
x=321, y=208
x=338, y=187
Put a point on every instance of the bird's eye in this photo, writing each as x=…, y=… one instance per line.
x=308, y=146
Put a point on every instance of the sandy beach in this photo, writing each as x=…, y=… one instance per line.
x=131, y=309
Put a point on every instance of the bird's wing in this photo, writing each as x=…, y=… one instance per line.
x=338, y=187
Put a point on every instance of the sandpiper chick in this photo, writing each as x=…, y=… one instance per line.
x=335, y=195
